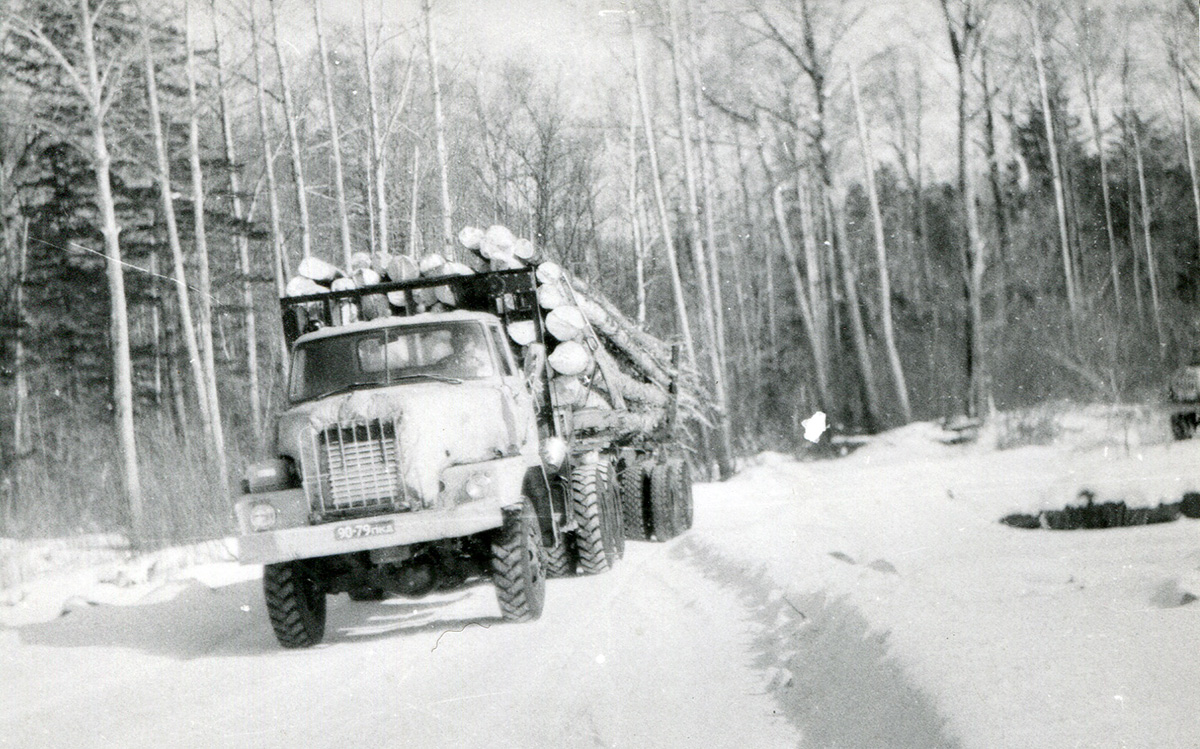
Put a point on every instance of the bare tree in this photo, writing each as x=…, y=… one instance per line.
x=289, y=116
x=439, y=131
x=243, y=242
x=260, y=95
x=964, y=25
x=681, y=315
x=1091, y=56
x=97, y=89
x=1034, y=11
x=200, y=238
x=166, y=195
x=339, y=182
x=885, y=283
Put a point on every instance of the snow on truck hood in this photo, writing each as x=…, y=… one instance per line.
x=439, y=424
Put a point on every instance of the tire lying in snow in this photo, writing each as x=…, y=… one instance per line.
x=295, y=604
x=593, y=502
x=517, y=566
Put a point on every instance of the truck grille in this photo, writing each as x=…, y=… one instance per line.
x=354, y=469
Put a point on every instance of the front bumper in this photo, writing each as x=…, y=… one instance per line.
x=363, y=534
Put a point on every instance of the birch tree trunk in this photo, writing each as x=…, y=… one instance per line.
x=207, y=345
x=289, y=116
x=963, y=32
x=20, y=377
x=999, y=212
x=339, y=182
x=412, y=209
x=1189, y=148
x=439, y=129
x=182, y=290
x=378, y=146
x=279, y=249
x=243, y=242
x=1151, y=267
x=704, y=278
x=1092, y=98
x=95, y=91
x=1056, y=174
x=820, y=366
x=635, y=225
x=685, y=327
x=885, y=284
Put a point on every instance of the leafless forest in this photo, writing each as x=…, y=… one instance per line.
x=885, y=211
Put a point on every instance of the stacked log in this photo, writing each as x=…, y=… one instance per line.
x=611, y=375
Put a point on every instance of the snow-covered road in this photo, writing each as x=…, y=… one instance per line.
x=871, y=601
x=652, y=654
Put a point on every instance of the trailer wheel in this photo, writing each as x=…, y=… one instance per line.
x=633, y=504
x=664, y=519
x=681, y=482
x=295, y=604
x=517, y=570
x=594, y=537
x=561, y=557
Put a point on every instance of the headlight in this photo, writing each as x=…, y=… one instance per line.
x=478, y=485
x=269, y=476
x=262, y=516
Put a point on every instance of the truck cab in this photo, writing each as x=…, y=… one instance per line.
x=408, y=458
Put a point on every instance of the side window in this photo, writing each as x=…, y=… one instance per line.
x=503, y=350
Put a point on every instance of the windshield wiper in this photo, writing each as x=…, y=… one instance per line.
x=345, y=389
x=453, y=381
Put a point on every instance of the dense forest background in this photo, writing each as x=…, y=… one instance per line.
x=886, y=211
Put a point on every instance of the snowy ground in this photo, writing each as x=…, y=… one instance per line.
x=868, y=601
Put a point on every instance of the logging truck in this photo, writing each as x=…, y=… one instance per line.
x=430, y=438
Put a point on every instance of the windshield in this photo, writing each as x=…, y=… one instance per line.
x=447, y=351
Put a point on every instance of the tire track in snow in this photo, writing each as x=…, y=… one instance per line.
x=830, y=674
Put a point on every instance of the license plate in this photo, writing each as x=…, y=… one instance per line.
x=364, y=530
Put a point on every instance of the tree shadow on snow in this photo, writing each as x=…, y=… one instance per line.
x=199, y=622
x=831, y=675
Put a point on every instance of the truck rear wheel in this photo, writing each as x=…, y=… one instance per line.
x=594, y=538
x=665, y=520
x=295, y=604
x=517, y=570
x=633, y=505
x=681, y=479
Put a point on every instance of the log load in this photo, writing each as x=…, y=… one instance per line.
x=607, y=376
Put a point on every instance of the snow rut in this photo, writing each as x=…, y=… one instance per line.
x=830, y=674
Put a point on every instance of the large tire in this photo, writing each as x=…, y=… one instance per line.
x=664, y=519
x=561, y=558
x=295, y=604
x=612, y=510
x=594, y=539
x=633, y=504
x=681, y=484
x=517, y=569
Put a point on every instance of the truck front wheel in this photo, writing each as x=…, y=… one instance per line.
x=517, y=570
x=295, y=604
